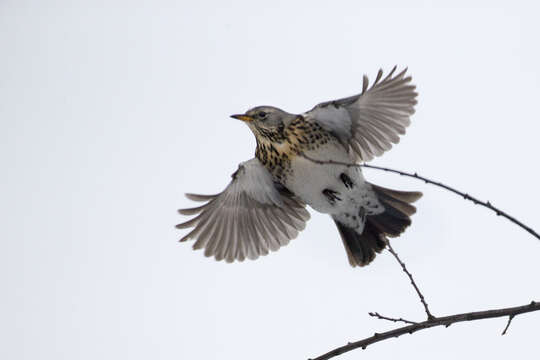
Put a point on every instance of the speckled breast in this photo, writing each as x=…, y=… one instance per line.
x=277, y=151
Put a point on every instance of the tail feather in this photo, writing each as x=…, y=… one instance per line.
x=389, y=225
x=397, y=210
x=362, y=248
x=399, y=205
x=405, y=196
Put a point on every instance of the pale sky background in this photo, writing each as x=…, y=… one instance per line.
x=111, y=110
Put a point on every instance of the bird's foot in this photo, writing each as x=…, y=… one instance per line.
x=346, y=180
x=331, y=195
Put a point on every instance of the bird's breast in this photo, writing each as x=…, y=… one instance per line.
x=297, y=139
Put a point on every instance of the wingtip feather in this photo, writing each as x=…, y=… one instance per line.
x=365, y=83
x=199, y=197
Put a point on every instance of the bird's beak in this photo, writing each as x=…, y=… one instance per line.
x=242, y=117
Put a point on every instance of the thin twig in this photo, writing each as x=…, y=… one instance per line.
x=466, y=196
x=420, y=295
x=382, y=317
x=439, y=321
x=510, y=318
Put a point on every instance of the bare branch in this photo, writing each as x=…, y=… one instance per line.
x=438, y=321
x=431, y=321
x=466, y=196
x=382, y=317
x=420, y=295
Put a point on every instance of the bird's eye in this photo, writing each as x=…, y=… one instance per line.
x=262, y=114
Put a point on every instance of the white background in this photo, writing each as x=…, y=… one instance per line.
x=111, y=110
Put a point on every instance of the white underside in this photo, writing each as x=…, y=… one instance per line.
x=309, y=179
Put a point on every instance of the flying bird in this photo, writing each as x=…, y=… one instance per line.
x=311, y=159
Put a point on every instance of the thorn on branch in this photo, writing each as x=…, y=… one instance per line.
x=510, y=318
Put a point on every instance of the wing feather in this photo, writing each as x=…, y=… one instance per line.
x=373, y=120
x=248, y=219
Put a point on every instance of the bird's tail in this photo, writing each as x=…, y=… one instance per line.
x=362, y=248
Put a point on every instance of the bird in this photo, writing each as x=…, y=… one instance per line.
x=311, y=159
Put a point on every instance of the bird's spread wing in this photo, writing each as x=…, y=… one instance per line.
x=250, y=217
x=370, y=122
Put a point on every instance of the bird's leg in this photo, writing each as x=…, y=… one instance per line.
x=331, y=195
x=346, y=180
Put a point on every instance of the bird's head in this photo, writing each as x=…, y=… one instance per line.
x=266, y=121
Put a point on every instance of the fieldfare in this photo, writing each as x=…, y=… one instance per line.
x=310, y=159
